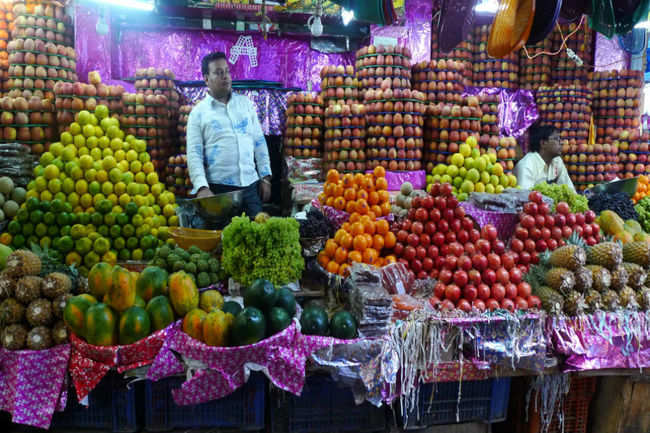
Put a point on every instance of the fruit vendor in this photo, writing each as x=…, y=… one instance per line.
x=544, y=162
x=226, y=149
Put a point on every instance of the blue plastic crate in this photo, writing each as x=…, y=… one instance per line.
x=324, y=407
x=111, y=407
x=481, y=400
x=243, y=409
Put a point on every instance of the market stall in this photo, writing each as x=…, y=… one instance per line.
x=402, y=277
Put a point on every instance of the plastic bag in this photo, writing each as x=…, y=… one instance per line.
x=397, y=279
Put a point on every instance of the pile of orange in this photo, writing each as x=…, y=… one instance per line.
x=642, y=188
x=362, y=238
x=365, y=194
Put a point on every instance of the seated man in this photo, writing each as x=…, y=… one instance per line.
x=226, y=149
x=543, y=162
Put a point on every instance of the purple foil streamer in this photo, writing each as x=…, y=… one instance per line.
x=416, y=31
x=517, y=109
x=609, y=54
x=602, y=340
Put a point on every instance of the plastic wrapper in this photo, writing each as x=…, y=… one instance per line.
x=33, y=384
x=16, y=162
x=395, y=179
x=304, y=170
x=397, y=279
x=312, y=246
x=512, y=200
x=371, y=304
x=368, y=366
x=517, y=109
x=609, y=54
x=602, y=340
x=303, y=193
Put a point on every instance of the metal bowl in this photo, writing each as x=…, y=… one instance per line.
x=220, y=206
x=628, y=186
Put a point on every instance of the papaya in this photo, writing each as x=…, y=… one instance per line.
x=210, y=300
x=101, y=325
x=624, y=237
x=100, y=279
x=74, y=314
x=633, y=227
x=134, y=325
x=151, y=282
x=160, y=312
x=610, y=222
x=193, y=323
x=183, y=293
x=121, y=295
x=90, y=298
x=216, y=328
x=641, y=236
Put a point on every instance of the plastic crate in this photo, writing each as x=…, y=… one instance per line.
x=575, y=407
x=243, y=409
x=111, y=407
x=324, y=407
x=481, y=400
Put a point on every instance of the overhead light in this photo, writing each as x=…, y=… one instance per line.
x=314, y=22
x=642, y=25
x=487, y=7
x=101, y=28
x=143, y=5
x=347, y=15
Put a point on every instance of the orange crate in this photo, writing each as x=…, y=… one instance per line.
x=575, y=407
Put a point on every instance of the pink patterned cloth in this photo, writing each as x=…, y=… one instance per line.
x=89, y=364
x=281, y=356
x=33, y=384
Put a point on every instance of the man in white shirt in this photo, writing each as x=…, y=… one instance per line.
x=543, y=162
x=226, y=149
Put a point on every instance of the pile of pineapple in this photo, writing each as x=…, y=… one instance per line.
x=575, y=279
x=31, y=307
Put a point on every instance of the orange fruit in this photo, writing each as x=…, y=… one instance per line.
x=379, y=171
x=389, y=240
x=354, y=217
x=329, y=189
x=379, y=262
x=332, y=267
x=330, y=247
x=382, y=227
x=362, y=194
x=338, y=191
x=348, y=180
x=355, y=256
x=341, y=255
x=384, y=196
x=369, y=227
x=362, y=206
x=357, y=228
x=339, y=235
x=376, y=210
x=373, y=197
x=349, y=194
x=368, y=183
x=6, y=238
x=329, y=202
x=360, y=243
x=378, y=242
x=346, y=242
x=385, y=208
x=358, y=179
x=351, y=206
x=390, y=259
x=346, y=226
x=322, y=198
x=323, y=260
x=381, y=184
x=369, y=256
x=344, y=270
x=333, y=176
x=339, y=203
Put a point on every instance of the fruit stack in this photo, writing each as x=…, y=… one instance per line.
x=463, y=54
x=489, y=122
x=12, y=197
x=616, y=100
x=591, y=164
x=376, y=64
x=303, y=134
x=488, y=72
x=633, y=152
x=395, y=128
x=539, y=230
x=157, y=86
x=177, y=177
x=564, y=69
x=468, y=171
x=184, y=115
x=568, y=109
x=28, y=122
x=441, y=80
x=6, y=20
x=345, y=138
x=448, y=126
x=32, y=307
x=339, y=85
x=474, y=270
x=147, y=118
x=535, y=71
x=41, y=50
x=71, y=98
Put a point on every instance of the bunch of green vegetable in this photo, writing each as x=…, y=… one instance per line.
x=201, y=266
x=643, y=210
x=269, y=250
x=577, y=202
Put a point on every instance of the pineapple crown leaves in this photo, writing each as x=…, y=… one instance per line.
x=544, y=258
x=51, y=263
x=535, y=276
x=576, y=239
